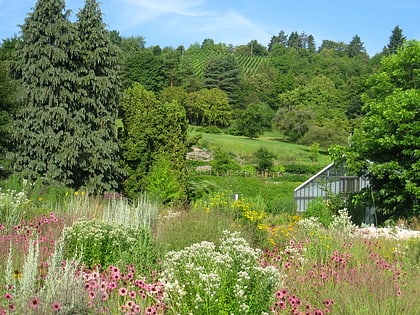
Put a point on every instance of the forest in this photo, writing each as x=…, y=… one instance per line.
x=83, y=107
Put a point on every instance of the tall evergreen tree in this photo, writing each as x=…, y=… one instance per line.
x=355, y=47
x=46, y=131
x=396, y=40
x=97, y=165
x=223, y=73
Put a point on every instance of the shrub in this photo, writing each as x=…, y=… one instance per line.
x=210, y=129
x=223, y=162
x=104, y=244
x=264, y=159
x=318, y=208
x=225, y=279
x=163, y=183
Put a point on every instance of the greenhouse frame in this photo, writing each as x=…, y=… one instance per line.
x=331, y=179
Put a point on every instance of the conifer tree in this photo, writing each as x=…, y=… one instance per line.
x=396, y=40
x=45, y=131
x=97, y=164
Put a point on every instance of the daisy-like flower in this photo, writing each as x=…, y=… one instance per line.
x=34, y=303
x=123, y=291
x=55, y=306
x=8, y=296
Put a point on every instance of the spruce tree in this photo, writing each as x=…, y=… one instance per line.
x=45, y=132
x=98, y=162
x=396, y=40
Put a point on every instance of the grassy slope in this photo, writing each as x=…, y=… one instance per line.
x=245, y=147
x=276, y=192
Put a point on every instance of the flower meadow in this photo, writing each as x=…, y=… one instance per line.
x=106, y=255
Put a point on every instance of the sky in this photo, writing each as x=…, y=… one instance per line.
x=185, y=22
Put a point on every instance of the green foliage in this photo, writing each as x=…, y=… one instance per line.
x=199, y=59
x=396, y=40
x=314, y=152
x=103, y=244
x=162, y=182
x=223, y=73
x=255, y=119
x=264, y=159
x=318, y=208
x=223, y=162
x=8, y=107
x=223, y=279
x=97, y=166
x=209, y=107
x=151, y=128
x=44, y=129
x=385, y=147
x=65, y=131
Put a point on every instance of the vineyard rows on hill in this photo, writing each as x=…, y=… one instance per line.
x=248, y=65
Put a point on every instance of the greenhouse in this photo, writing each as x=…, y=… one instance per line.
x=332, y=179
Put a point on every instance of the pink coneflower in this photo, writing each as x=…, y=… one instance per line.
x=8, y=296
x=55, y=306
x=2, y=311
x=34, y=303
x=399, y=293
x=328, y=302
x=12, y=307
x=132, y=294
x=92, y=294
x=123, y=291
x=112, y=285
x=281, y=293
x=318, y=312
x=104, y=296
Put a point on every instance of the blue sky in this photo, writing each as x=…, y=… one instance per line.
x=184, y=22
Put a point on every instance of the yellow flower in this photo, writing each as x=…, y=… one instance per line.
x=40, y=199
x=17, y=274
x=76, y=193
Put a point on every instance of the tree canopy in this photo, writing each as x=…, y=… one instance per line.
x=386, y=146
x=65, y=131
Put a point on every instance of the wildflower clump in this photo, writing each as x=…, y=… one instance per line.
x=106, y=243
x=206, y=278
x=249, y=211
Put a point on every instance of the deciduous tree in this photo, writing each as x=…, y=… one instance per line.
x=386, y=147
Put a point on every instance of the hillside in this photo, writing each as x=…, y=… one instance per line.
x=199, y=59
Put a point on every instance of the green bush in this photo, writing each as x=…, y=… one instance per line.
x=104, y=244
x=210, y=129
x=318, y=208
x=162, y=182
x=302, y=169
x=223, y=162
x=264, y=159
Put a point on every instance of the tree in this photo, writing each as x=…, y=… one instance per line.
x=264, y=159
x=209, y=107
x=223, y=73
x=46, y=131
x=355, y=47
x=396, y=40
x=152, y=128
x=386, y=147
x=97, y=109
x=254, y=120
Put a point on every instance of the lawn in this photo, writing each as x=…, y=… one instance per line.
x=286, y=153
